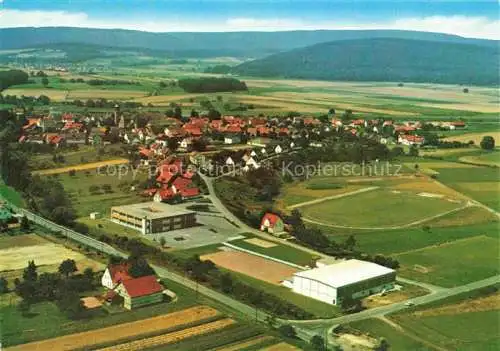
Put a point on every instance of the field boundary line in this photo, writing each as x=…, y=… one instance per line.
x=262, y=255
x=407, y=225
x=447, y=243
x=332, y=197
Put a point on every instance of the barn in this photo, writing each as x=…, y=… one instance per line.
x=348, y=279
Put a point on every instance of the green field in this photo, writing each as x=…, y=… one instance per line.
x=446, y=324
x=452, y=264
x=282, y=252
x=10, y=194
x=408, y=239
x=85, y=154
x=78, y=188
x=376, y=208
x=46, y=321
x=397, y=340
x=480, y=183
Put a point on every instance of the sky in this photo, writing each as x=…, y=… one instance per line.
x=473, y=19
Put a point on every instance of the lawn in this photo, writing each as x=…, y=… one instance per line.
x=397, y=340
x=85, y=202
x=407, y=239
x=452, y=264
x=10, y=194
x=480, y=183
x=46, y=321
x=281, y=252
x=377, y=208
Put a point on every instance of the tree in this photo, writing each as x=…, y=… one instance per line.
x=162, y=241
x=288, y=331
x=413, y=151
x=318, y=343
x=466, y=90
x=25, y=224
x=331, y=111
x=30, y=272
x=67, y=267
x=350, y=243
x=178, y=112
x=71, y=305
x=140, y=267
x=347, y=115
x=488, y=143
x=4, y=285
x=45, y=81
x=383, y=345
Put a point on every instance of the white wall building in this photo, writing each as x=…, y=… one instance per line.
x=355, y=278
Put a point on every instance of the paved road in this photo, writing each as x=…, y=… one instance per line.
x=384, y=310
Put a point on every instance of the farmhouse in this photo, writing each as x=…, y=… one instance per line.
x=348, y=279
x=135, y=292
x=272, y=223
x=153, y=217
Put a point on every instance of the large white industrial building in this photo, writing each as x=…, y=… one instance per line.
x=354, y=278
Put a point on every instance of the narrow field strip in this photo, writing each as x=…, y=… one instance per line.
x=82, y=167
x=239, y=345
x=120, y=331
x=171, y=337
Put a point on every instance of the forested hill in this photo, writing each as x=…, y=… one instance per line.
x=383, y=59
x=244, y=44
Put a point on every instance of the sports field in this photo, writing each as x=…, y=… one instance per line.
x=275, y=250
x=251, y=265
x=379, y=208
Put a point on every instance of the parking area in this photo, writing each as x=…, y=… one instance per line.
x=213, y=229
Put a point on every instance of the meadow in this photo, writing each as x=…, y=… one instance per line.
x=478, y=259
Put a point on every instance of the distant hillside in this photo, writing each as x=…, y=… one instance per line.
x=383, y=59
x=243, y=44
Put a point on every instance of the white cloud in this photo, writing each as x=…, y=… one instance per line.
x=473, y=27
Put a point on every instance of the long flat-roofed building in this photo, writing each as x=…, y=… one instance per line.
x=351, y=278
x=153, y=217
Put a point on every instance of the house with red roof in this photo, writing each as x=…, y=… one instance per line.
x=410, y=140
x=136, y=292
x=163, y=195
x=272, y=223
x=115, y=274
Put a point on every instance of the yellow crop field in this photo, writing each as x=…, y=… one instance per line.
x=120, y=331
x=170, y=338
x=82, y=167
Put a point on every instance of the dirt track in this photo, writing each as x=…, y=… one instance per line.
x=120, y=331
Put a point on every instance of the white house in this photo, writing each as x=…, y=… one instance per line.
x=232, y=139
x=229, y=161
x=351, y=278
x=278, y=149
x=251, y=164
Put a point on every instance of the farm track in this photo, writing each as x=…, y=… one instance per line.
x=173, y=337
x=81, y=167
x=333, y=197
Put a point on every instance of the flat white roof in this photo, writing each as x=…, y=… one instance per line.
x=151, y=210
x=345, y=273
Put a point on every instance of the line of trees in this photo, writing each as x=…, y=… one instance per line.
x=24, y=100
x=211, y=85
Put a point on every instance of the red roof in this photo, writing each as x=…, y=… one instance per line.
x=165, y=194
x=119, y=272
x=142, y=286
x=458, y=124
x=284, y=131
x=314, y=121
x=145, y=152
x=192, y=129
x=56, y=139
x=165, y=175
x=233, y=129
x=252, y=131
x=181, y=183
x=189, y=192
x=67, y=117
x=272, y=218
x=258, y=121
x=216, y=124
